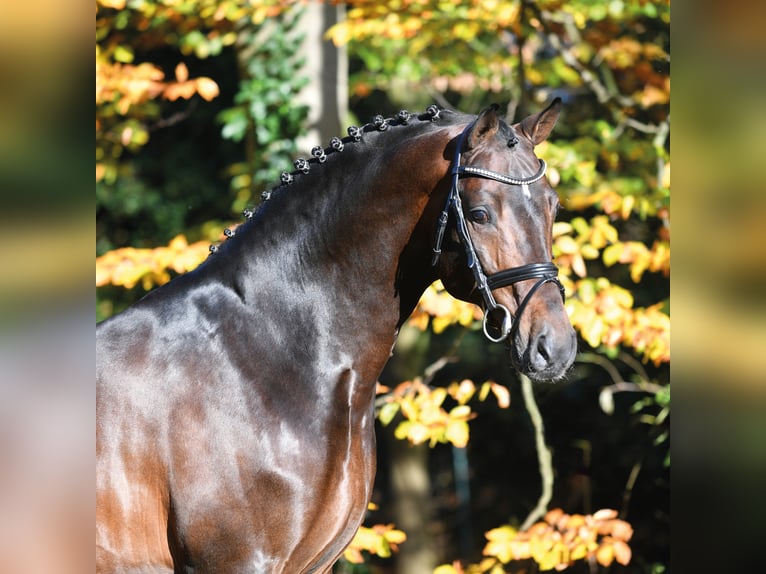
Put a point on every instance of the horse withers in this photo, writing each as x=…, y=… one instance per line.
x=235, y=405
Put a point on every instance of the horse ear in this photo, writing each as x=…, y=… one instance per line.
x=538, y=127
x=485, y=127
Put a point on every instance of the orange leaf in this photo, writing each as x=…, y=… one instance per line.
x=207, y=89
x=622, y=530
x=605, y=514
x=502, y=394
x=182, y=72
x=553, y=516
x=622, y=552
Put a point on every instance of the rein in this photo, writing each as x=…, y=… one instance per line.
x=543, y=272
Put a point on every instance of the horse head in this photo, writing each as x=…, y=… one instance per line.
x=493, y=240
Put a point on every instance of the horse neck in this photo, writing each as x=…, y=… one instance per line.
x=349, y=235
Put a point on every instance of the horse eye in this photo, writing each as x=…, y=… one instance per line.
x=479, y=215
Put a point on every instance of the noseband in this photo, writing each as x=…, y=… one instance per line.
x=543, y=272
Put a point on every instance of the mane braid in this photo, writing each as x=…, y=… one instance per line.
x=319, y=154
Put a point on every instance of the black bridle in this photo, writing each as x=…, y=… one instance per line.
x=544, y=272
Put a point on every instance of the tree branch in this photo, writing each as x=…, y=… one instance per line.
x=603, y=94
x=544, y=458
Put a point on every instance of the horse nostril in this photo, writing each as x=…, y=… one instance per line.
x=540, y=356
x=542, y=349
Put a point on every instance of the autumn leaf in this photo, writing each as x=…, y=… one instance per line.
x=605, y=554
x=207, y=89
x=457, y=433
x=498, y=544
x=622, y=552
x=182, y=72
x=462, y=391
x=559, y=540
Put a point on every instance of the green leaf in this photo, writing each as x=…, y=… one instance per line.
x=123, y=54
x=606, y=401
x=235, y=126
x=388, y=412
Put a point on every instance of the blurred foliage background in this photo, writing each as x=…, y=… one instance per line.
x=199, y=107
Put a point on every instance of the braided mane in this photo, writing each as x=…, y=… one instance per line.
x=319, y=155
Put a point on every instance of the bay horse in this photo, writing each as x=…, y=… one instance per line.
x=235, y=404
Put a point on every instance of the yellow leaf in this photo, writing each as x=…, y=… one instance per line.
x=561, y=228
x=178, y=243
x=460, y=412
x=340, y=34
x=593, y=331
x=588, y=251
x=627, y=206
x=462, y=391
x=605, y=554
x=438, y=395
x=395, y=536
x=417, y=433
x=566, y=245
x=612, y=254
x=409, y=408
x=499, y=544
x=402, y=430
x=457, y=433
x=579, y=551
x=438, y=324
x=381, y=548
x=639, y=265
x=431, y=415
x=353, y=555
x=578, y=265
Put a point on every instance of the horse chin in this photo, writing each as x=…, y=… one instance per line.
x=549, y=375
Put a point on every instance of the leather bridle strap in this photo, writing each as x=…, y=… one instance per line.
x=544, y=272
x=523, y=273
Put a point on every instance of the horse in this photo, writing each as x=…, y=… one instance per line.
x=235, y=404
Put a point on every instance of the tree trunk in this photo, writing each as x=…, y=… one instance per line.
x=411, y=500
x=326, y=67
